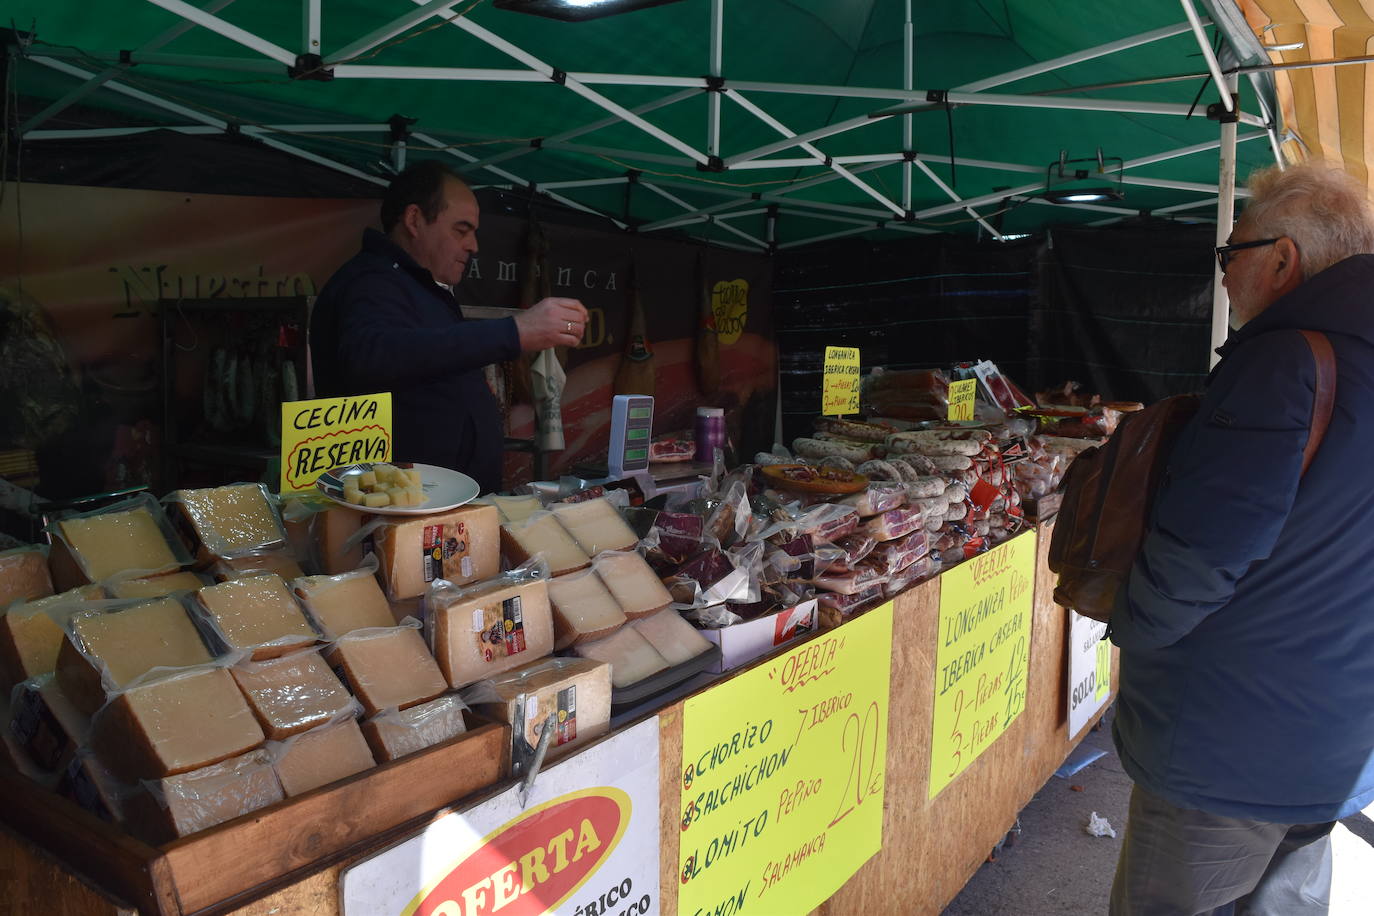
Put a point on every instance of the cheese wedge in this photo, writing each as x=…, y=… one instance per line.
x=321, y=756
x=497, y=626
x=156, y=586
x=281, y=562
x=514, y=508
x=229, y=521
x=334, y=528
x=344, y=603
x=461, y=545
x=258, y=614
x=636, y=587
x=24, y=575
x=293, y=693
x=399, y=732
x=596, y=525
x=32, y=634
x=120, y=544
x=174, y=725
x=177, y=806
x=90, y=784
x=629, y=654
x=674, y=638
x=386, y=669
x=128, y=644
x=46, y=724
x=541, y=533
x=575, y=691
x=583, y=609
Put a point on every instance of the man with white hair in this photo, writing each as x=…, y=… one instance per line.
x=1246, y=712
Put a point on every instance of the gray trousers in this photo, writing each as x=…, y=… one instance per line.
x=1180, y=862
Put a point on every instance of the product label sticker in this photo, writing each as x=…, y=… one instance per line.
x=500, y=629
x=466, y=567
x=567, y=714
x=444, y=549
x=432, y=551
x=479, y=620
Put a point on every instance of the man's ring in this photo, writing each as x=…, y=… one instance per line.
x=569, y=327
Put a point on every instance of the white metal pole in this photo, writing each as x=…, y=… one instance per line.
x=716, y=64
x=1213, y=65
x=1226, y=206
x=908, y=77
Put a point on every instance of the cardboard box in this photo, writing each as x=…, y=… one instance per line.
x=742, y=643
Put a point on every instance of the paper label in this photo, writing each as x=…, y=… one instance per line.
x=961, y=396
x=444, y=549
x=327, y=433
x=500, y=629
x=567, y=715
x=840, y=382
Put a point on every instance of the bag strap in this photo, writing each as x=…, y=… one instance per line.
x=1324, y=395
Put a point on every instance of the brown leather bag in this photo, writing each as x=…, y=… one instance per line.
x=1109, y=492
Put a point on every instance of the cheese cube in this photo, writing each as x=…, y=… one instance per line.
x=24, y=575
x=46, y=724
x=120, y=544
x=281, y=562
x=405, y=731
x=367, y=479
x=174, y=725
x=386, y=669
x=230, y=521
x=541, y=533
x=514, y=508
x=334, y=527
x=636, y=587
x=497, y=626
x=460, y=545
x=177, y=806
x=258, y=614
x=321, y=756
x=293, y=693
x=582, y=609
x=32, y=634
x=596, y=525
x=575, y=691
x=376, y=500
x=344, y=603
x=674, y=638
x=156, y=586
x=630, y=656
x=127, y=644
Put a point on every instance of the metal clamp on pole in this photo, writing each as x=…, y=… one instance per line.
x=537, y=761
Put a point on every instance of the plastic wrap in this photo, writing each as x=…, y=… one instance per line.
x=326, y=537
x=634, y=585
x=238, y=520
x=793, y=559
x=325, y=754
x=715, y=576
x=293, y=693
x=32, y=633
x=542, y=533
x=876, y=499
x=340, y=604
x=893, y=524
x=156, y=586
x=280, y=562
x=91, y=786
x=850, y=582
x=632, y=657
x=575, y=691
x=397, y=732
x=387, y=667
x=843, y=555
x=45, y=724
x=596, y=526
x=920, y=570
x=484, y=629
x=24, y=574
x=674, y=638
x=850, y=604
x=461, y=545
x=583, y=609
x=674, y=538
x=256, y=614
x=124, y=540
x=177, y=806
x=513, y=508
x=893, y=556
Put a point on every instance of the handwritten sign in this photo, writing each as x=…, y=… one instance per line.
x=961, y=395
x=332, y=432
x=784, y=773
x=840, y=385
x=1090, y=671
x=730, y=309
x=982, y=655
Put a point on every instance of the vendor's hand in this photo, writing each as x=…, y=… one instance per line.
x=551, y=322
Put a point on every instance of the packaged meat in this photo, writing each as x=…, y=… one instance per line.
x=918, y=571
x=932, y=442
x=933, y=381
x=822, y=448
x=876, y=499
x=850, y=604
x=893, y=524
x=844, y=554
x=853, y=430
x=828, y=522
x=896, y=555
x=850, y=582
x=678, y=537
x=674, y=447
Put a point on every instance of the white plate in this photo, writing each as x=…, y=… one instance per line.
x=444, y=489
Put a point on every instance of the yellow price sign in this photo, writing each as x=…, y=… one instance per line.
x=983, y=654
x=1104, y=669
x=840, y=385
x=961, y=395
x=784, y=775
x=332, y=432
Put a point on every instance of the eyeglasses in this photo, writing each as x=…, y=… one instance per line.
x=1226, y=252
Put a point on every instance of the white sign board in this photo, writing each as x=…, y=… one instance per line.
x=1090, y=670
x=587, y=841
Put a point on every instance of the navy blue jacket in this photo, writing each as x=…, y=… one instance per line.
x=381, y=323
x=1247, y=625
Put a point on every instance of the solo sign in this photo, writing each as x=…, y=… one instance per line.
x=587, y=842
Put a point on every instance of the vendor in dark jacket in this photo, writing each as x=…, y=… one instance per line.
x=1246, y=713
x=387, y=321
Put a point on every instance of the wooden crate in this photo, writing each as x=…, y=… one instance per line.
x=229, y=865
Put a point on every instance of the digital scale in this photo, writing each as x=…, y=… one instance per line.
x=632, y=421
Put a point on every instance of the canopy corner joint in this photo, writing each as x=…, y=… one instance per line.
x=310, y=67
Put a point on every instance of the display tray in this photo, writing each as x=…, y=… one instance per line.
x=623, y=698
x=444, y=489
x=233, y=863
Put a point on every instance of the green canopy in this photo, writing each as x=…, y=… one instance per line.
x=746, y=121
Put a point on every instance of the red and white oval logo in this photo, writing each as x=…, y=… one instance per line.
x=533, y=863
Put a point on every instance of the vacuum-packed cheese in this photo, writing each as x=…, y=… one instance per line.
x=541, y=533
x=231, y=521
x=636, y=587
x=175, y=724
x=491, y=627
x=121, y=544
x=629, y=654
x=321, y=756
x=461, y=546
x=674, y=638
x=90, y=784
x=514, y=508
x=156, y=586
x=127, y=643
x=387, y=668
x=46, y=724
x=336, y=534
x=281, y=562
x=596, y=526
x=180, y=805
x=24, y=575
x=576, y=692
x=404, y=731
x=344, y=603
x=32, y=634
x=293, y=693
x=257, y=614
x=583, y=609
